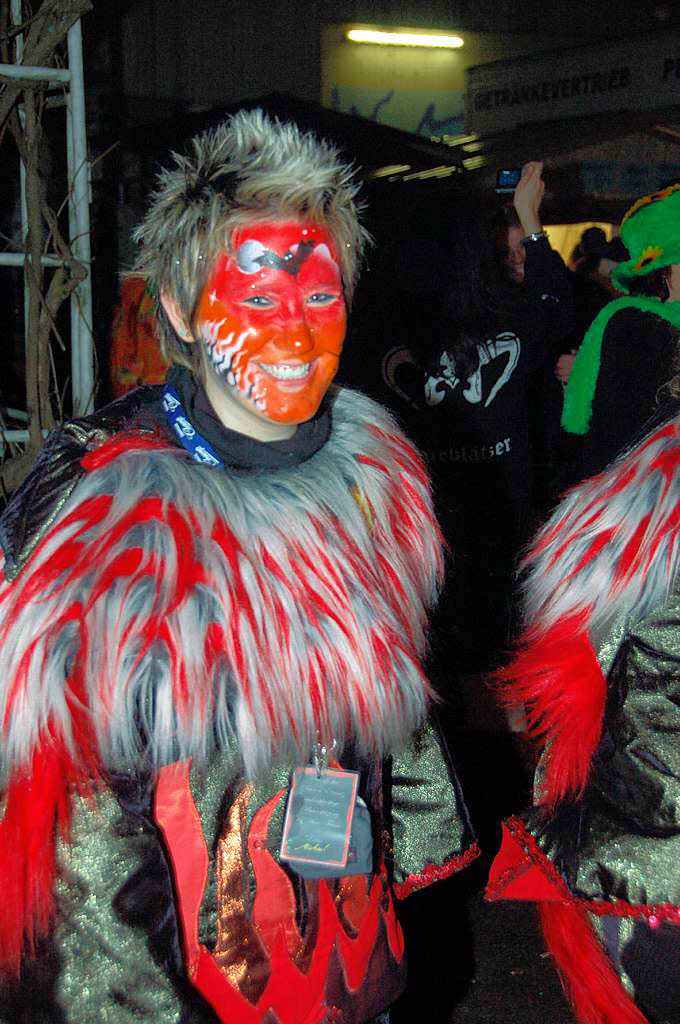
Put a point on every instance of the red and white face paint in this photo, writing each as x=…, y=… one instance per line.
x=272, y=317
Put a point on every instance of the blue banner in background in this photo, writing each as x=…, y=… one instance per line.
x=412, y=110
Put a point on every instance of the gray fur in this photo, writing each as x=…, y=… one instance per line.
x=268, y=514
x=644, y=482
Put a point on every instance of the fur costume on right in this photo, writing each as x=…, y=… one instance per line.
x=599, y=675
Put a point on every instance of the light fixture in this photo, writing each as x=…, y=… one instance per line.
x=442, y=171
x=361, y=35
x=384, y=172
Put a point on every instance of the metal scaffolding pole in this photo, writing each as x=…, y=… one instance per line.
x=82, y=342
x=82, y=347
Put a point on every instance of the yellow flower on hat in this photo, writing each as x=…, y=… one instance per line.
x=650, y=232
x=648, y=255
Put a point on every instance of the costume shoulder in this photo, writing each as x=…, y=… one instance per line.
x=636, y=346
x=632, y=318
x=354, y=406
x=365, y=418
x=35, y=504
x=607, y=558
x=611, y=547
x=385, y=463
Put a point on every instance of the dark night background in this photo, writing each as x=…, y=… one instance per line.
x=215, y=51
x=152, y=69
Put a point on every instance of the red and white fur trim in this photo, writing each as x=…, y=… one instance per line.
x=279, y=607
x=607, y=557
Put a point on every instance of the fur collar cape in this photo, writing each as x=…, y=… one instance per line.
x=171, y=609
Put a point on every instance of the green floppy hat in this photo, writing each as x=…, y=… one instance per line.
x=651, y=233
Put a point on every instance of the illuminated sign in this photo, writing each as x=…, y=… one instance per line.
x=637, y=74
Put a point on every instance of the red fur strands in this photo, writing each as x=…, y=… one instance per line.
x=558, y=680
x=193, y=598
x=412, y=526
x=37, y=812
x=37, y=805
x=611, y=549
x=590, y=981
x=613, y=544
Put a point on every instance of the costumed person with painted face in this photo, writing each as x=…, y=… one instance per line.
x=217, y=764
x=631, y=348
x=598, y=675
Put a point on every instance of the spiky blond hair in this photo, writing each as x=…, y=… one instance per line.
x=250, y=168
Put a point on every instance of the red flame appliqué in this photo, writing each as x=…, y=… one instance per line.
x=293, y=995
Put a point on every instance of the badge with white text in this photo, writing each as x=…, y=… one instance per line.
x=318, y=825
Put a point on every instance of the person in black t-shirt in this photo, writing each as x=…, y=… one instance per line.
x=495, y=331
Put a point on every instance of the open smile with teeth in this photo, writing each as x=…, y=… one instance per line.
x=287, y=371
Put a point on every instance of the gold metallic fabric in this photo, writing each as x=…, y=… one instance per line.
x=632, y=848
x=107, y=975
x=429, y=820
x=238, y=951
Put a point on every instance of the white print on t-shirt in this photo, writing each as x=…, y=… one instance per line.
x=474, y=453
x=504, y=346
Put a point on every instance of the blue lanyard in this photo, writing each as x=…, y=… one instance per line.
x=187, y=435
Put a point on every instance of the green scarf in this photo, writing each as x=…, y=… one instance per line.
x=580, y=390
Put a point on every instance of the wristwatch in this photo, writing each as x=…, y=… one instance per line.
x=534, y=236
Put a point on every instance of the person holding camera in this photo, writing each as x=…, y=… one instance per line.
x=492, y=333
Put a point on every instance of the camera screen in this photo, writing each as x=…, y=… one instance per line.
x=508, y=178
